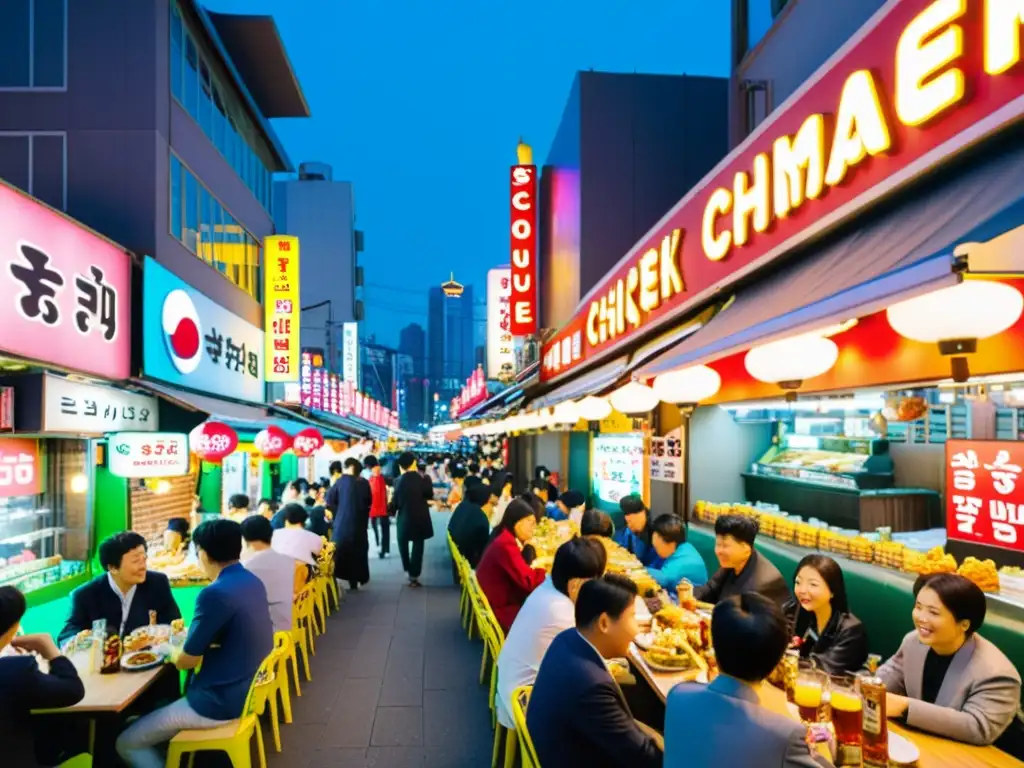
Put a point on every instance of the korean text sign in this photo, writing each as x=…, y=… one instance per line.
x=65, y=293
x=985, y=493
x=148, y=454
x=190, y=341
x=79, y=408
x=501, y=354
x=617, y=463
x=523, y=230
x=21, y=471
x=281, y=307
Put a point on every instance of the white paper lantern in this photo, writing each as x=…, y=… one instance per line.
x=687, y=385
x=566, y=413
x=792, y=360
x=594, y=408
x=634, y=398
x=974, y=309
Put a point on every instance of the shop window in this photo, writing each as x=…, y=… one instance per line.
x=205, y=99
x=191, y=90
x=757, y=102
x=761, y=15
x=177, y=59
x=33, y=45
x=176, y=192
x=36, y=163
x=45, y=538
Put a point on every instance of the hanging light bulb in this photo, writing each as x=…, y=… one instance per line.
x=956, y=317
x=687, y=385
x=790, y=361
x=566, y=413
x=593, y=408
x=79, y=483
x=634, y=398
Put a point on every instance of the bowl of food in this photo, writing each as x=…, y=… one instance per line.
x=139, y=661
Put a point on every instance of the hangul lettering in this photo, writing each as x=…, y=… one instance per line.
x=1004, y=474
x=967, y=509
x=1005, y=517
x=68, y=406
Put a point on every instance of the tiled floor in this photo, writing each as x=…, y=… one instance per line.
x=394, y=679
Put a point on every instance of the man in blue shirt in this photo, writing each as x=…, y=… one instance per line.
x=677, y=559
x=636, y=536
x=231, y=635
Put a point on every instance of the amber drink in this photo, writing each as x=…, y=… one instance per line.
x=875, y=729
x=810, y=696
x=847, y=720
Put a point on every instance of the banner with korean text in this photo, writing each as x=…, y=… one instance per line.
x=281, y=307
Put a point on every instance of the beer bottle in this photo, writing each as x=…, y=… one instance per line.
x=875, y=748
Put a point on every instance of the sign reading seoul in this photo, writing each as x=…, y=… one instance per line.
x=281, y=306
x=64, y=291
x=922, y=80
x=190, y=341
x=524, y=250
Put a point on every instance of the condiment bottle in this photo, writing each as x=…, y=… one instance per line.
x=684, y=591
x=875, y=748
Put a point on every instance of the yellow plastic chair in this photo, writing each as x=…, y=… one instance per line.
x=460, y=571
x=83, y=760
x=302, y=629
x=285, y=649
x=233, y=737
x=520, y=700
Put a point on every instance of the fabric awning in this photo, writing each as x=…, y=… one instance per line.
x=222, y=410
x=501, y=401
x=586, y=384
x=906, y=252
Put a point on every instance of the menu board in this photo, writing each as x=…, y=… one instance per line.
x=984, y=500
x=617, y=463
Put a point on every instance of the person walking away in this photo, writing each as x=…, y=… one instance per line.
x=410, y=505
x=351, y=537
x=379, y=507
x=331, y=497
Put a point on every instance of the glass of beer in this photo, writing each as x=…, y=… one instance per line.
x=810, y=695
x=847, y=718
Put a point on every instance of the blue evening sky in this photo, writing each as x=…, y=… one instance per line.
x=421, y=103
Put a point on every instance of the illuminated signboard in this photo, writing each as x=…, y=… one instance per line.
x=922, y=80
x=523, y=230
x=281, y=307
x=985, y=493
x=350, y=353
x=617, y=464
x=501, y=354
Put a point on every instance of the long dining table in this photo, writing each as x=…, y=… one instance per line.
x=936, y=752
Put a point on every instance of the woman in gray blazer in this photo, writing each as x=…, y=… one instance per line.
x=945, y=678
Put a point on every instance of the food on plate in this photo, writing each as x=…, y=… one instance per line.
x=935, y=560
x=178, y=626
x=141, y=659
x=1011, y=570
x=670, y=649
x=139, y=640
x=981, y=572
x=672, y=617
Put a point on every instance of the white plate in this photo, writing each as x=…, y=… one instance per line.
x=142, y=668
x=902, y=750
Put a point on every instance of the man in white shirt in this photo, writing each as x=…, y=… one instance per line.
x=294, y=540
x=548, y=611
x=277, y=571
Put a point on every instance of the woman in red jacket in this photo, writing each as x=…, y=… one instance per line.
x=503, y=572
x=379, y=506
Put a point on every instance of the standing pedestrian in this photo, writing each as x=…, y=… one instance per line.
x=379, y=507
x=352, y=542
x=411, y=506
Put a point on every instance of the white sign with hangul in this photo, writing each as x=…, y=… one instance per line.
x=75, y=407
x=148, y=454
x=667, y=457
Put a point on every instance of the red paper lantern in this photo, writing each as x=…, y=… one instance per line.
x=272, y=442
x=307, y=442
x=212, y=441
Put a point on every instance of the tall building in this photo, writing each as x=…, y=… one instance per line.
x=377, y=377
x=451, y=344
x=321, y=213
x=413, y=394
x=149, y=122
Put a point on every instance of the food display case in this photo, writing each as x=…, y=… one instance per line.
x=846, y=481
x=33, y=545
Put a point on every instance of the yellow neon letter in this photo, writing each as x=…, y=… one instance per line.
x=922, y=88
x=592, y=337
x=716, y=246
x=632, y=311
x=1002, y=34
x=751, y=200
x=861, y=129
x=798, y=166
x=668, y=261
x=649, y=281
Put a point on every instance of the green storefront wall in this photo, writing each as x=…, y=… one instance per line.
x=880, y=597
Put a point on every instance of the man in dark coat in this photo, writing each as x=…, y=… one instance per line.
x=351, y=521
x=411, y=504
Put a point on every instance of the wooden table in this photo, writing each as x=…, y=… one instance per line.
x=105, y=694
x=936, y=752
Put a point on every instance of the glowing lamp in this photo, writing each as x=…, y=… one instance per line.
x=956, y=317
x=272, y=442
x=790, y=361
x=566, y=413
x=687, y=385
x=212, y=441
x=307, y=442
x=79, y=483
x=634, y=399
x=594, y=408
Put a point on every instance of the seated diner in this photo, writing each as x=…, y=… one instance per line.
x=946, y=678
x=125, y=595
x=742, y=569
x=677, y=558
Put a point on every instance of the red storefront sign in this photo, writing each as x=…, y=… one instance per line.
x=985, y=493
x=524, y=250
x=21, y=472
x=922, y=80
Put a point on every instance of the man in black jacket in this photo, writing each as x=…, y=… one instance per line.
x=742, y=568
x=411, y=505
x=124, y=595
x=470, y=525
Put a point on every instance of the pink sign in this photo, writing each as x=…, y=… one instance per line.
x=65, y=292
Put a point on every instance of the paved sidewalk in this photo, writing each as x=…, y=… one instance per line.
x=394, y=679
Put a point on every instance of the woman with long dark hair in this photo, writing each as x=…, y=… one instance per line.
x=503, y=571
x=827, y=632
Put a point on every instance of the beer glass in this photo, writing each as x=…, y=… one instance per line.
x=847, y=718
x=810, y=694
